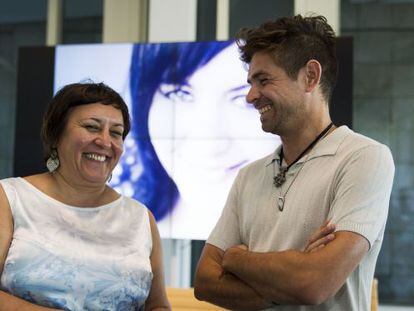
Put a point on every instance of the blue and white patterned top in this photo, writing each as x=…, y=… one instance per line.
x=76, y=258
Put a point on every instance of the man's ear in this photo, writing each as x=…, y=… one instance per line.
x=313, y=73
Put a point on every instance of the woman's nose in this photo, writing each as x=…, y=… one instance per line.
x=104, y=140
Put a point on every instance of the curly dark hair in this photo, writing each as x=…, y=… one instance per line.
x=292, y=42
x=72, y=95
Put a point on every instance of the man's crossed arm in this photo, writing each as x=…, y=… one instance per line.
x=243, y=280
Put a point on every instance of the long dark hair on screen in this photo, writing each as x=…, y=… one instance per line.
x=151, y=66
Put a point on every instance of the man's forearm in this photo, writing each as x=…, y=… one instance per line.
x=267, y=277
x=228, y=291
x=293, y=277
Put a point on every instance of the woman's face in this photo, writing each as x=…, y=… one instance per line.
x=91, y=143
x=204, y=131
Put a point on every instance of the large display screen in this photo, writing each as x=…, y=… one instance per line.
x=192, y=129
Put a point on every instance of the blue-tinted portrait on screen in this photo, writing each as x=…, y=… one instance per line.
x=192, y=129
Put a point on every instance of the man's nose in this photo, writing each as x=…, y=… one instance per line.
x=252, y=95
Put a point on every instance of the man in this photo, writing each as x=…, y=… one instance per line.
x=254, y=257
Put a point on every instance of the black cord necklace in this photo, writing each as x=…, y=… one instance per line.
x=280, y=178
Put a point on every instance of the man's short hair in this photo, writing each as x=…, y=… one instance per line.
x=292, y=42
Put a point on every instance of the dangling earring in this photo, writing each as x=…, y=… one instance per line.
x=109, y=179
x=53, y=162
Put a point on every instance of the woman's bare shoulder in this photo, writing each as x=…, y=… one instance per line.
x=38, y=179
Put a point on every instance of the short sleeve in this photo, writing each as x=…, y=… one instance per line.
x=226, y=233
x=362, y=192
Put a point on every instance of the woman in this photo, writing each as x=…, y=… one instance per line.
x=67, y=240
x=187, y=102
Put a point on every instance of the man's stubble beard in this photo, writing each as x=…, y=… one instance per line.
x=289, y=118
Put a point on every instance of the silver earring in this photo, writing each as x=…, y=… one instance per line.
x=52, y=162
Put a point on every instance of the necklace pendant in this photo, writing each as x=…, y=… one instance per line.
x=280, y=203
x=280, y=178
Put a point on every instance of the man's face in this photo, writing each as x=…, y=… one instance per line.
x=278, y=98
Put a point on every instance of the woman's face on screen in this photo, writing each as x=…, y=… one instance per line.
x=204, y=131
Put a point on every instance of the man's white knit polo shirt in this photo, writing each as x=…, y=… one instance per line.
x=346, y=178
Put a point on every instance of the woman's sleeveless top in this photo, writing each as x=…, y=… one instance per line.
x=76, y=258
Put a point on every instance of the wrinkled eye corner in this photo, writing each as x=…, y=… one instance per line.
x=263, y=81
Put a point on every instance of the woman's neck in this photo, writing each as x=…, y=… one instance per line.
x=79, y=194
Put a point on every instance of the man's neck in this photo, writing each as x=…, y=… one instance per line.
x=298, y=140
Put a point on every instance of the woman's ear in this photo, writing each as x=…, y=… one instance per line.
x=313, y=72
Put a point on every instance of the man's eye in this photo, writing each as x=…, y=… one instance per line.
x=182, y=93
x=263, y=81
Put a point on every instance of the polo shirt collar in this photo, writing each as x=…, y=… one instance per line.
x=328, y=146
